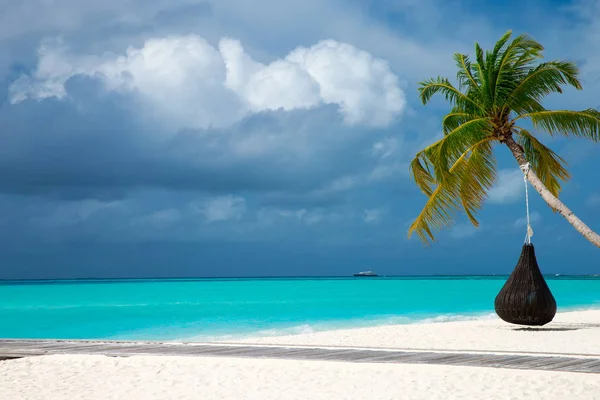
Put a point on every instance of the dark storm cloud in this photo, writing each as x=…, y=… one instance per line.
x=91, y=144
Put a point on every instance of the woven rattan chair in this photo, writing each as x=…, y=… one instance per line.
x=525, y=298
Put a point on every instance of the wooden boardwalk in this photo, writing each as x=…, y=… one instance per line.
x=22, y=348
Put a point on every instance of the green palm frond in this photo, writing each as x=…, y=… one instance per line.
x=432, y=86
x=494, y=66
x=474, y=168
x=585, y=124
x=437, y=212
x=548, y=166
x=506, y=74
x=480, y=73
x=454, y=119
x=546, y=78
x=456, y=142
x=477, y=178
x=500, y=44
x=421, y=170
x=465, y=74
x=480, y=65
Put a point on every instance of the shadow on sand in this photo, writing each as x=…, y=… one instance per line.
x=560, y=328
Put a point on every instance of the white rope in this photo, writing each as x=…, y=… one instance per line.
x=529, y=234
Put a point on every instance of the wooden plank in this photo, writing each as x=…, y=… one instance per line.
x=567, y=365
x=544, y=363
x=10, y=349
x=588, y=365
x=456, y=359
x=503, y=360
x=399, y=358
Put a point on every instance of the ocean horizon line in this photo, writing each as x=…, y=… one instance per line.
x=291, y=277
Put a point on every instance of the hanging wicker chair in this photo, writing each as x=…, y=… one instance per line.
x=525, y=298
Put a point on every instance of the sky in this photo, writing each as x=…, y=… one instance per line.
x=188, y=138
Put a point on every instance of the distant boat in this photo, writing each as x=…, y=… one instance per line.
x=366, y=273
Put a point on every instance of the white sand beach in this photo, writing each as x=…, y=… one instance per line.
x=158, y=378
x=140, y=377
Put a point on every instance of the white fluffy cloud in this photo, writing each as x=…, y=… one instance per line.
x=160, y=219
x=385, y=148
x=461, y=231
x=373, y=215
x=199, y=85
x=509, y=188
x=593, y=200
x=270, y=215
x=223, y=208
x=533, y=218
x=71, y=213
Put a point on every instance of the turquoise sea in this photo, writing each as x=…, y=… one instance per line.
x=209, y=309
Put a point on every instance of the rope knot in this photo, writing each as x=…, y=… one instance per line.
x=525, y=168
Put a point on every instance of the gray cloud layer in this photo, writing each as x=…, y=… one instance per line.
x=260, y=121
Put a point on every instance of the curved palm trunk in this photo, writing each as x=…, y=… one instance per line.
x=552, y=200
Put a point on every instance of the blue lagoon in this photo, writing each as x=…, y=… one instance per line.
x=214, y=309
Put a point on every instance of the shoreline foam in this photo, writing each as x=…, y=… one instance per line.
x=572, y=332
x=343, y=325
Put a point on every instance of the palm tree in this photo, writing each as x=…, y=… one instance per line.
x=496, y=95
